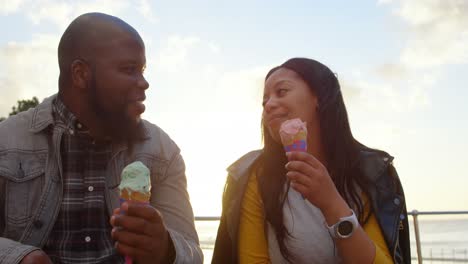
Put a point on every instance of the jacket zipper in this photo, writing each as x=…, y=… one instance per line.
x=397, y=240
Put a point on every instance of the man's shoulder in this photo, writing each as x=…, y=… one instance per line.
x=16, y=127
x=22, y=119
x=158, y=141
x=32, y=120
x=155, y=133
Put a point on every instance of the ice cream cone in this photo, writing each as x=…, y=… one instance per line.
x=135, y=185
x=134, y=196
x=293, y=135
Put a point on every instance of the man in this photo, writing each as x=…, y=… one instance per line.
x=60, y=162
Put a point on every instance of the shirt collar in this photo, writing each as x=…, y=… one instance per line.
x=63, y=115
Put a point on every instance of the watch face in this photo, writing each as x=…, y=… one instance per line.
x=345, y=228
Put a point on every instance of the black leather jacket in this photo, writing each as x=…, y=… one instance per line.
x=386, y=195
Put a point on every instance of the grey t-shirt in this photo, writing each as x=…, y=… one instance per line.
x=310, y=241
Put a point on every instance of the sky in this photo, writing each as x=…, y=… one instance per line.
x=402, y=65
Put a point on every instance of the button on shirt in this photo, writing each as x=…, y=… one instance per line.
x=81, y=233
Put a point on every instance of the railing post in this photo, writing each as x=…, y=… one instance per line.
x=416, y=232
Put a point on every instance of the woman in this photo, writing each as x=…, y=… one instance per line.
x=339, y=201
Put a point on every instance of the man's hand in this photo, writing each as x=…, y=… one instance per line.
x=140, y=233
x=36, y=257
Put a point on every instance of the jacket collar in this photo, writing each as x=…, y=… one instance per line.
x=241, y=166
x=373, y=163
x=42, y=115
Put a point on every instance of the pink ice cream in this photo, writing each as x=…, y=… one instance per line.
x=293, y=135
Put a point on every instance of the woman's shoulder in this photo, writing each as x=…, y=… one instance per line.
x=373, y=163
x=242, y=166
x=238, y=176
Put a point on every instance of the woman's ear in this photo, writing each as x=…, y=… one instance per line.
x=80, y=73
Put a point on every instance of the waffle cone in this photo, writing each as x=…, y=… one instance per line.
x=289, y=140
x=134, y=196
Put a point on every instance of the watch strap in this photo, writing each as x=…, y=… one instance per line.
x=334, y=229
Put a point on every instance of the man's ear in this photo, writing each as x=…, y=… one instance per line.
x=80, y=73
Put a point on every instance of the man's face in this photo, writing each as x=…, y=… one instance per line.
x=117, y=86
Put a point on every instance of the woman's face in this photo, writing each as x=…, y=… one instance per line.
x=286, y=96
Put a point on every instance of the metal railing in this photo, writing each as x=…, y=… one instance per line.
x=414, y=214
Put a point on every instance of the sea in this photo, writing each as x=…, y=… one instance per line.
x=443, y=240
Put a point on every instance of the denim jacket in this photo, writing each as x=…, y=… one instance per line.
x=31, y=183
x=386, y=194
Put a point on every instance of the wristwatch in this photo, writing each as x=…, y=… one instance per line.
x=345, y=226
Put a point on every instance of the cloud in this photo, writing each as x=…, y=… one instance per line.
x=436, y=35
x=374, y=95
x=392, y=90
x=214, y=47
x=60, y=13
x=10, y=6
x=437, y=32
x=419, y=94
x=145, y=9
x=242, y=89
x=189, y=69
x=64, y=12
x=381, y=2
x=350, y=90
x=29, y=69
x=174, y=54
x=392, y=71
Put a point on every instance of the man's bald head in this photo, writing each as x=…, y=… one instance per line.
x=86, y=36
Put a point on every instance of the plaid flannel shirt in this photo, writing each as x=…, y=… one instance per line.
x=81, y=233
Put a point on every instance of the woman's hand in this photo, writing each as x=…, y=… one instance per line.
x=310, y=177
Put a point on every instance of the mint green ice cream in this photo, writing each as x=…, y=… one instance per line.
x=135, y=178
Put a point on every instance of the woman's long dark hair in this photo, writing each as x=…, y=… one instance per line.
x=340, y=147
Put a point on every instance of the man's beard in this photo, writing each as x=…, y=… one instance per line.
x=118, y=125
